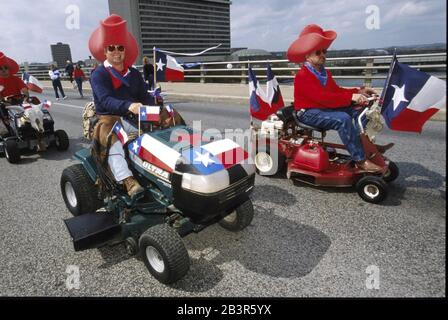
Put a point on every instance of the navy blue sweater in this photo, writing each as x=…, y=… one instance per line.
x=117, y=101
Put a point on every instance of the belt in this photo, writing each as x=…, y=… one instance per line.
x=300, y=112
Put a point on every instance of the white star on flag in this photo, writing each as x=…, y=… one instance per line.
x=204, y=158
x=135, y=147
x=143, y=113
x=398, y=95
x=160, y=65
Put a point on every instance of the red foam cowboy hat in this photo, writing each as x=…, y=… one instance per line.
x=113, y=31
x=11, y=64
x=311, y=38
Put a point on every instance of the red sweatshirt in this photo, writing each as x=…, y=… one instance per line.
x=309, y=92
x=78, y=73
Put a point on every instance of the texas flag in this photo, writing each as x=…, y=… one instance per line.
x=32, y=83
x=154, y=152
x=149, y=113
x=167, y=68
x=215, y=156
x=121, y=134
x=169, y=109
x=411, y=98
x=263, y=104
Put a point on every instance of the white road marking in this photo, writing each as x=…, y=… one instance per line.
x=68, y=105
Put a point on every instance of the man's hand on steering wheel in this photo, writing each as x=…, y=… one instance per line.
x=367, y=91
x=359, y=99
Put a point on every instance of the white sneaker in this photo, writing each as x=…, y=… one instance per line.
x=57, y=99
x=65, y=97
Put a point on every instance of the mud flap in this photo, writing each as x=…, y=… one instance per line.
x=92, y=230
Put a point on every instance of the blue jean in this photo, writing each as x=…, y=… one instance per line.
x=79, y=84
x=344, y=120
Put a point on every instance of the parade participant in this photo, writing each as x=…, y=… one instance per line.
x=55, y=76
x=118, y=89
x=79, y=77
x=148, y=72
x=69, y=70
x=11, y=84
x=320, y=102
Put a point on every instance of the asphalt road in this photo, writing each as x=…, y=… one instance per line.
x=303, y=241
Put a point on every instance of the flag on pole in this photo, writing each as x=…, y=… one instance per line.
x=32, y=83
x=411, y=97
x=263, y=104
x=121, y=134
x=149, y=113
x=167, y=68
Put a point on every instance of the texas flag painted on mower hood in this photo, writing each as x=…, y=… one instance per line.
x=215, y=156
x=167, y=68
x=411, y=98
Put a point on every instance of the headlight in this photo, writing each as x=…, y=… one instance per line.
x=206, y=184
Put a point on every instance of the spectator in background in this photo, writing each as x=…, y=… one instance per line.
x=69, y=70
x=79, y=77
x=55, y=76
x=148, y=72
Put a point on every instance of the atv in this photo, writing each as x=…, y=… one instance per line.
x=28, y=125
x=188, y=186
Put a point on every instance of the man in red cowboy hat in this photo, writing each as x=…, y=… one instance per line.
x=319, y=101
x=118, y=89
x=11, y=84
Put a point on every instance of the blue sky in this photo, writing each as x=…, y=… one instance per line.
x=29, y=27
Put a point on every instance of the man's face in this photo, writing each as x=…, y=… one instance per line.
x=115, y=54
x=4, y=71
x=317, y=57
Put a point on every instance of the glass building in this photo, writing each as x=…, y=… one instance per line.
x=184, y=26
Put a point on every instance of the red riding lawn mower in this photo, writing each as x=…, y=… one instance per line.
x=283, y=141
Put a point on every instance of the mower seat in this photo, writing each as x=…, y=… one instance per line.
x=306, y=126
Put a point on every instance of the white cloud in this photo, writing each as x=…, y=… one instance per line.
x=29, y=26
x=413, y=9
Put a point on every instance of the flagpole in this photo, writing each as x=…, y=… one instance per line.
x=139, y=111
x=386, y=84
x=154, y=65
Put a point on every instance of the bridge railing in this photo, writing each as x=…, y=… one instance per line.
x=360, y=70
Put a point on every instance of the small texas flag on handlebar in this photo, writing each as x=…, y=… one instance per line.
x=411, y=97
x=149, y=113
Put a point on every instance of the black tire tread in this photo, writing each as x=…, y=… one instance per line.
x=170, y=245
x=84, y=187
x=244, y=217
x=64, y=141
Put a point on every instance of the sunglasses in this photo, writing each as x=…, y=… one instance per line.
x=318, y=52
x=4, y=68
x=112, y=48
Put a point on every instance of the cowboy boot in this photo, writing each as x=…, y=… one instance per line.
x=368, y=166
x=384, y=148
x=132, y=186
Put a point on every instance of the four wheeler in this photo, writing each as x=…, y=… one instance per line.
x=309, y=159
x=28, y=126
x=187, y=187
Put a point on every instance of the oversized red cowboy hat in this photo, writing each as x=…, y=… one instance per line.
x=12, y=65
x=112, y=30
x=311, y=38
